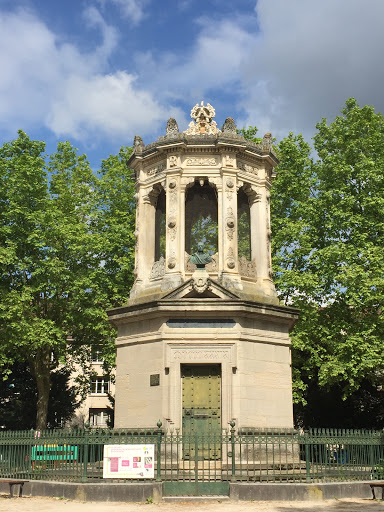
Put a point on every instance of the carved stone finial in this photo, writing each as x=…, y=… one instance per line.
x=172, y=128
x=229, y=126
x=267, y=142
x=138, y=143
x=203, y=115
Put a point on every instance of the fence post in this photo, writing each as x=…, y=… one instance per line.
x=86, y=447
x=158, y=470
x=232, y=424
x=307, y=465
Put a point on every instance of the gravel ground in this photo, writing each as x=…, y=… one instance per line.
x=27, y=504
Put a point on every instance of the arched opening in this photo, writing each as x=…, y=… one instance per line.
x=201, y=217
x=160, y=226
x=244, y=225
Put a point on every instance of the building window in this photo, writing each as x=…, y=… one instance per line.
x=98, y=417
x=100, y=385
x=96, y=355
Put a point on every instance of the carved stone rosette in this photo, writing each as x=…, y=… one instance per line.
x=231, y=263
x=230, y=187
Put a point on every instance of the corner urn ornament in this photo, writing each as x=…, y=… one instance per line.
x=203, y=115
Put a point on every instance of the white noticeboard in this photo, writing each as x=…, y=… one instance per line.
x=129, y=461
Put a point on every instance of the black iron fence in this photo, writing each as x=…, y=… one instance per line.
x=248, y=455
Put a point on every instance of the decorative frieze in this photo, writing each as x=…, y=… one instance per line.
x=200, y=355
x=247, y=168
x=156, y=169
x=200, y=161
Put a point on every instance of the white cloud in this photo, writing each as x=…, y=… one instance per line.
x=134, y=10
x=47, y=81
x=286, y=66
x=107, y=103
x=214, y=62
x=310, y=58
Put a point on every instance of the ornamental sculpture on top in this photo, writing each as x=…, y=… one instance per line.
x=203, y=185
x=203, y=124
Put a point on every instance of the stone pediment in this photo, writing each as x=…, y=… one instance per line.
x=200, y=289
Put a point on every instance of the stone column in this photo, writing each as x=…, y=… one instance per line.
x=260, y=232
x=174, y=221
x=145, y=237
x=228, y=223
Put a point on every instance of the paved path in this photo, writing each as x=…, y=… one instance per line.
x=27, y=504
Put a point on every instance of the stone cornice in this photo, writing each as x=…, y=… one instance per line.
x=219, y=142
x=218, y=308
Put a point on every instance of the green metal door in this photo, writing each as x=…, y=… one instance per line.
x=201, y=411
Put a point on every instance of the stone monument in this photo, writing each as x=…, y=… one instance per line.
x=203, y=339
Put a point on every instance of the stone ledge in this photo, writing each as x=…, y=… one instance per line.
x=100, y=491
x=298, y=491
x=140, y=492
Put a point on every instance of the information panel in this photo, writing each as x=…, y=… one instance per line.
x=129, y=461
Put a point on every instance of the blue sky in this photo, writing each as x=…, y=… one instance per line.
x=97, y=72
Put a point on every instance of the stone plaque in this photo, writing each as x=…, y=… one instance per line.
x=154, y=379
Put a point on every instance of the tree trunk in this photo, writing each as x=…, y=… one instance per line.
x=41, y=367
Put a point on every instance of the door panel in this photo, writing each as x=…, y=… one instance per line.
x=201, y=387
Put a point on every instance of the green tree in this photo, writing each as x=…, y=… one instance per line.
x=327, y=218
x=57, y=277
x=18, y=399
x=348, y=258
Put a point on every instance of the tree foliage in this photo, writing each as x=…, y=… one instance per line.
x=327, y=216
x=66, y=255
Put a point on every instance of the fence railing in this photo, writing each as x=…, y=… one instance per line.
x=248, y=455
